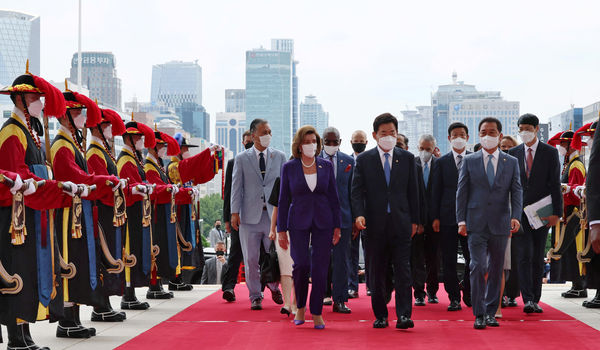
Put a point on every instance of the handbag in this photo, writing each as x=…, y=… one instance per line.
x=269, y=266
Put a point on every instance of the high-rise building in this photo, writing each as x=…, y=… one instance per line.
x=175, y=83
x=19, y=41
x=235, y=100
x=591, y=112
x=287, y=45
x=99, y=74
x=195, y=119
x=312, y=113
x=230, y=128
x=269, y=93
x=417, y=123
x=571, y=118
x=460, y=102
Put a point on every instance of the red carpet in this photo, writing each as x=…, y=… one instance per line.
x=212, y=323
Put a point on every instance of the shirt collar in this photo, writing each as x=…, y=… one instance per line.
x=534, y=146
x=496, y=153
x=20, y=115
x=455, y=154
x=152, y=158
x=257, y=152
x=381, y=152
x=96, y=141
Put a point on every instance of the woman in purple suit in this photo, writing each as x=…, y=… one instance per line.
x=309, y=209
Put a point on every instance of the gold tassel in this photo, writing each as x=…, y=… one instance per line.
x=76, y=220
x=18, y=230
x=120, y=213
x=173, y=210
x=147, y=213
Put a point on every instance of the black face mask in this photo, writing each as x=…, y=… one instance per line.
x=359, y=147
x=249, y=145
x=505, y=151
x=220, y=253
x=218, y=227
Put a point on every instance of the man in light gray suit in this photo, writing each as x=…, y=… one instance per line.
x=254, y=172
x=488, y=207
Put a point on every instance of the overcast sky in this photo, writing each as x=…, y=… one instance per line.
x=360, y=58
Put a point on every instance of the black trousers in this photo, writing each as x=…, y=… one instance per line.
x=511, y=289
x=417, y=265
x=432, y=259
x=449, y=242
x=531, y=247
x=392, y=244
x=233, y=262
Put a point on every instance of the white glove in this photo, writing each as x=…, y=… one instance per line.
x=86, y=191
x=72, y=186
x=17, y=186
x=174, y=190
x=123, y=183
x=215, y=148
x=150, y=189
x=565, y=188
x=579, y=191
x=139, y=190
x=30, y=188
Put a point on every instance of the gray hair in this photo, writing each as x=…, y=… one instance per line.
x=255, y=123
x=332, y=130
x=428, y=137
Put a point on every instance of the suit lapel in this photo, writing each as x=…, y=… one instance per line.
x=254, y=162
x=501, y=163
x=479, y=159
x=269, y=161
x=378, y=165
x=522, y=160
x=394, y=166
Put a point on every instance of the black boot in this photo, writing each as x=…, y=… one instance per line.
x=69, y=327
x=594, y=303
x=156, y=291
x=20, y=338
x=131, y=302
x=101, y=314
x=177, y=284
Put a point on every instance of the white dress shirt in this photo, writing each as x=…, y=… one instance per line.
x=455, y=154
x=265, y=154
x=533, y=150
x=382, y=156
x=495, y=156
x=333, y=161
x=311, y=181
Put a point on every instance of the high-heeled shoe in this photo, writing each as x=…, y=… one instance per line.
x=319, y=326
x=285, y=311
x=298, y=322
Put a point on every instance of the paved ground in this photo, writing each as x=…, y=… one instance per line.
x=111, y=335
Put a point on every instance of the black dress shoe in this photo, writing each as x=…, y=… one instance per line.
x=512, y=302
x=380, y=323
x=529, y=308
x=404, y=323
x=491, y=321
x=454, y=306
x=285, y=311
x=229, y=295
x=277, y=297
x=479, y=322
x=419, y=301
x=537, y=309
x=432, y=299
x=575, y=293
x=352, y=294
x=341, y=308
x=256, y=304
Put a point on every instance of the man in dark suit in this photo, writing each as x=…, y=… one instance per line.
x=385, y=199
x=343, y=168
x=443, y=212
x=593, y=216
x=235, y=250
x=540, y=177
x=425, y=245
x=488, y=208
x=215, y=267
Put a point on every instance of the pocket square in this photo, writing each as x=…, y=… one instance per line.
x=348, y=168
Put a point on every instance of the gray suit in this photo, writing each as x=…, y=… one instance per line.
x=487, y=211
x=249, y=197
x=209, y=275
x=216, y=236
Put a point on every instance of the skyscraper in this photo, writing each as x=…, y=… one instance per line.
x=175, y=83
x=418, y=123
x=230, y=128
x=287, y=45
x=19, y=41
x=459, y=102
x=312, y=113
x=269, y=93
x=235, y=100
x=99, y=74
x=195, y=119
x=571, y=118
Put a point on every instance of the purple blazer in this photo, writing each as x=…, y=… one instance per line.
x=299, y=207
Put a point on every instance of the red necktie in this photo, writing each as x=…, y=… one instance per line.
x=529, y=161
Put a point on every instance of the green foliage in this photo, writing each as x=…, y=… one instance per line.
x=205, y=242
x=211, y=210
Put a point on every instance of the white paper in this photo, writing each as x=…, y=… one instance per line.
x=531, y=211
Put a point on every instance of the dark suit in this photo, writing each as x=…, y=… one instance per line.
x=209, y=275
x=235, y=251
x=531, y=245
x=389, y=233
x=443, y=208
x=593, y=208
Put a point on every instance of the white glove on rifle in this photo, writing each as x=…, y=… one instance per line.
x=85, y=192
x=579, y=191
x=139, y=190
x=18, y=183
x=71, y=186
x=174, y=189
x=30, y=187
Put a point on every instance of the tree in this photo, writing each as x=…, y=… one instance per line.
x=211, y=210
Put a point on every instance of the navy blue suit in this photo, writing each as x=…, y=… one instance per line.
x=310, y=217
x=389, y=232
x=487, y=211
x=443, y=208
x=343, y=177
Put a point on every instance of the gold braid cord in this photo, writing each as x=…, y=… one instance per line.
x=146, y=211
x=173, y=210
x=18, y=231
x=76, y=220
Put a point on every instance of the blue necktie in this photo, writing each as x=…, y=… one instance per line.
x=426, y=174
x=386, y=171
x=490, y=170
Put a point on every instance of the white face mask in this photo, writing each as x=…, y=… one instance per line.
x=387, y=142
x=489, y=142
x=425, y=156
x=309, y=150
x=79, y=121
x=139, y=145
x=265, y=140
x=162, y=153
x=561, y=150
x=185, y=155
x=107, y=132
x=526, y=136
x=458, y=143
x=330, y=150
x=35, y=108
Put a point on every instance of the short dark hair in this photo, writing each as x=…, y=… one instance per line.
x=529, y=119
x=384, y=119
x=405, y=139
x=255, y=123
x=457, y=125
x=246, y=133
x=477, y=147
x=490, y=120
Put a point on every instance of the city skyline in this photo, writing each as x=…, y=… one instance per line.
x=361, y=55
